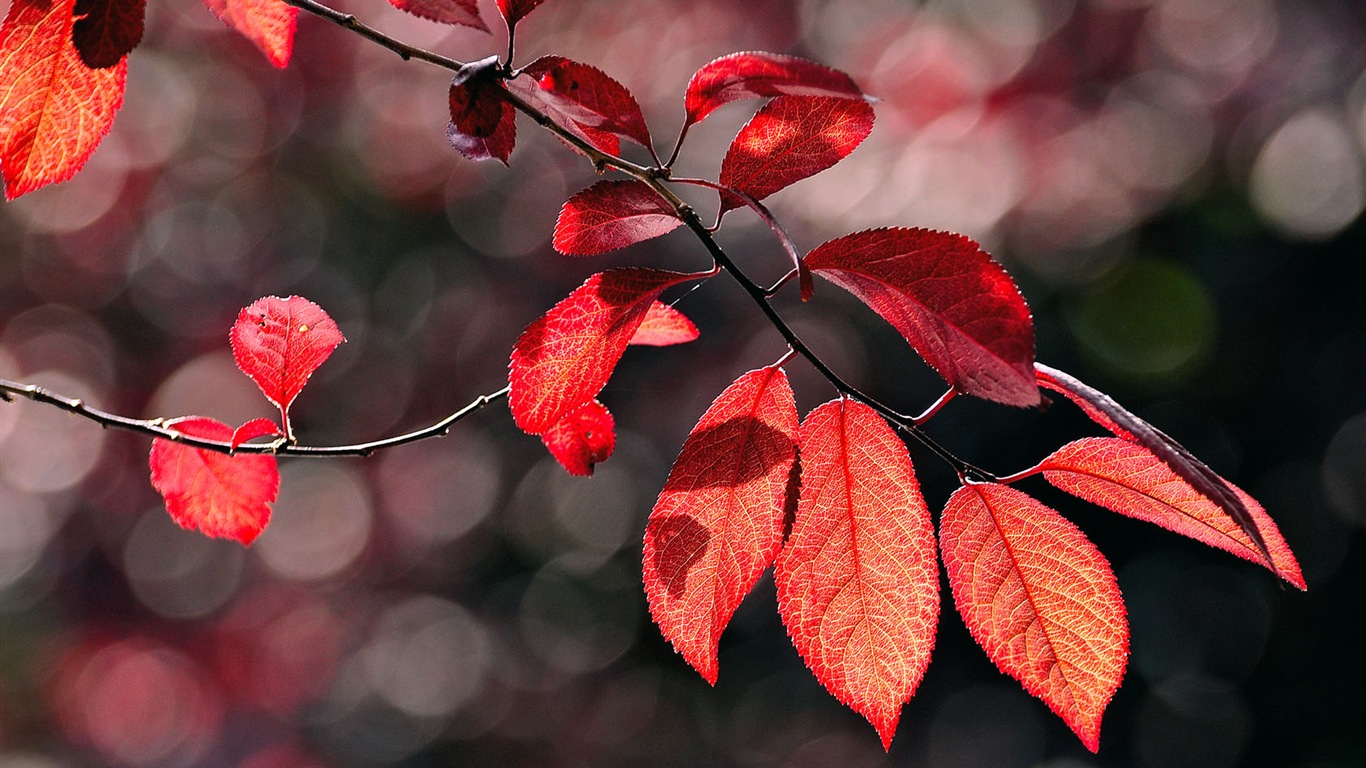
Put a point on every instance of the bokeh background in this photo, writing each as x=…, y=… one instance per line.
x=1176, y=184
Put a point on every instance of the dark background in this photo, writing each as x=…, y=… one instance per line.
x=1176, y=184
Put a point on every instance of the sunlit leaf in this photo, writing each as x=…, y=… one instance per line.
x=216, y=494
x=279, y=343
x=611, y=215
x=584, y=100
x=664, y=326
x=462, y=12
x=582, y=439
x=267, y=23
x=755, y=74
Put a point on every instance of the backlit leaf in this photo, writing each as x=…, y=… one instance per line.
x=267, y=23
x=483, y=124
x=1127, y=478
x=254, y=429
x=858, y=586
x=564, y=359
x=585, y=100
x=462, y=12
x=611, y=215
x=956, y=307
x=107, y=30
x=516, y=10
x=216, y=494
x=664, y=326
x=791, y=138
x=755, y=74
x=582, y=439
x=279, y=343
x=54, y=109
x=1039, y=598
x=718, y=522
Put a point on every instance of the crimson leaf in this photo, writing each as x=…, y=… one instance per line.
x=462, y=12
x=106, y=30
x=611, y=215
x=252, y=430
x=664, y=326
x=582, y=439
x=515, y=10
x=755, y=74
x=267, y=23
x=218, y=495
x=279, y=343
x=584, y=100
x=483, y=124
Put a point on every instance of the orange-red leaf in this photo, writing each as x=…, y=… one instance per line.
x=269, y=24
x=483, y=124
x=1039, y=598
x=1127, y=478
x=791, y=138
x=858, y=587
x=582, y=439
x=564, y=359
x=584, y=100
x=956, y=307
x=107, y=30
x=219, y=495
x=462, y=12
x=718, y=522
x=279, y=343
x=54, y=110
x=611, y=215
x=755, y=74
x=664, y=326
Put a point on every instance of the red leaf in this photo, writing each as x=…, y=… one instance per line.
x=791, y=138
x=252, y=430
x=1127, y=478
x=664, y=326
x=754, y=74
x=1103, y=410
x=585, y=100
x=106, y=30
x=462, y=12
x=1039, y=598
x=267, y=23
x=611, y=215
x=279, y=343
x=564, y=359
x=483, y=124
x=516, y=10
x=54, y=110
x=858, y=587
x=582, y=439
x=956, y=307
x=718, y=522
x=219, y=495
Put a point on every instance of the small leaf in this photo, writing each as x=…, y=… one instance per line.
x=279, y=343
x=107, y=30
x=611, y=215
x=267, y=23
x=252, y=430
x=754, y=74
x=515, y=10
x=54, y=109
x=1039, y=598
x=1127, y=478
x=956, y=307
x=462, y=12
x=582, y=439
x=858, y=586
x=664, y=326
x=218, y=495
x=483, y=124
x=718, y=522
x=585, y=100
x=790, y=139
x=564, y=359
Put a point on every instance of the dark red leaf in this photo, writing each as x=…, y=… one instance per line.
x=516, y=10
x=219, y=495
x=582, y=439
x=1039, y=598
x=483, y=124
x=254, y=429
x=584, y=100
x=267, y=23
x=1127, y=478
x=279, y=343
x=462, y=12
x=107, y=30
x=956, y=307
x=718, y=522
x=791, y=138
x=564, y=359
x=858, y=585
x=611, y=215
x=754, y=74
x=664, y=326
x=54, y=109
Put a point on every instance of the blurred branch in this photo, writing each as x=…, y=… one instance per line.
x=350, y=22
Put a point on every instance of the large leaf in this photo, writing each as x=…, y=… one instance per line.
x=755, y=74
x=483, y=124
x=107, y=30
x=564, y=359
x=718, y=522
x=1127, y=478
x=664, y=326
x=267, y=23
x=611, y=215
x=582, y=439
x=219, y=495
x=584, y=100
x=54, y=109
x=791, y=138
x=1039, y=598
x=858, y=586
x=956, y=307
x=279, y=343
x=462, y=12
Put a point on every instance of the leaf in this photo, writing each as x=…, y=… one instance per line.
x=791, y=138
x=54, y=110
x=1039, y=598
x=664, y=326
x=564, y=359
x=107, y=30
x=611, y=215
x=754, y=74
x=483, y=124
x=1103, y=410
x=1127, y=478
x=858, y=587
x=515, y=10
x=279, y=343
x=582, y=439
x=956, y=307
x=269, y=24
x=718, y=522
x=462, y=12
x=252, y=430
x=585, y=100
x=221, y=496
